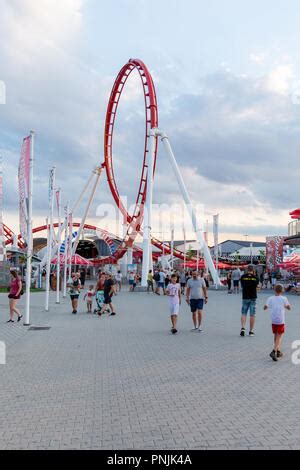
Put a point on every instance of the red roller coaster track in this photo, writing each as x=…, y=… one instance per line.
x=151, y=121
x=134, y=221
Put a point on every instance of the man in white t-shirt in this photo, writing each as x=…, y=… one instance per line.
x=277, y=304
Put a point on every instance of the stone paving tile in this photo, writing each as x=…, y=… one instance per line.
x=125, y=382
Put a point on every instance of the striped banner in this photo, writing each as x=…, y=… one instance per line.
x=105, y=236
x=23, y=177
x=62, y=246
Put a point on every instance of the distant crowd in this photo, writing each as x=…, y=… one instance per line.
x=175, y=284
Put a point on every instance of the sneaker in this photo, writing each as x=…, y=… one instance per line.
x=19, y=318
x=273, y=355
x=194, y=329
x=10, y=321
x=279, y=354
x=174, y=331
x=74, y=312
x=242, y=333
x=200, y=329
x=112, y=313
x=251, y=333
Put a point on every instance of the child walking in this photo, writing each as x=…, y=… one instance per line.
x=89, y=298
x=173, y=291
x=277, y=304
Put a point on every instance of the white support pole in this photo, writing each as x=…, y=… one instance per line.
x=151, y=257
x=97, y=172
x=148, y=210
x=86, y=187
x=50, y=241
x=63, y=226
x=29, y=234
x=58, y=247
x=216, y=240
x=188, y=202
x=66, y=252
x=197, y=258
x=172, y=241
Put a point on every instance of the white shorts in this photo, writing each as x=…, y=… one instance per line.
x=174, y=309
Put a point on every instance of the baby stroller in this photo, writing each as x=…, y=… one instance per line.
x=101, y=307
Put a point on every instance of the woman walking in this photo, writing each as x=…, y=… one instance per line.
x=229, y=282
x=74, y=291
x=14, y=296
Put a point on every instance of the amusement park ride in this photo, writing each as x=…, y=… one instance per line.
x=142, y=213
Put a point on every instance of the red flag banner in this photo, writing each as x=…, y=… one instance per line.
x=23, y=176
x=57, y=194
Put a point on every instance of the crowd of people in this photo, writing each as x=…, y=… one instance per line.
x=196, y=297
x=174, y=284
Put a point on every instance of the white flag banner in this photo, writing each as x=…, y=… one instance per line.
x=51, y=185
x=23, y=177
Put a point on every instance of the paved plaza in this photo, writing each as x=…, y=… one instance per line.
x=125, y=382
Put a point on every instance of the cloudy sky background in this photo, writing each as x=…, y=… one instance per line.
x=227, y=76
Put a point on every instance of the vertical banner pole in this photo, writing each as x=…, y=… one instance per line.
x=29, y=240
x=49, y=250
x=58, y=196
x=66, y=251
x=172, y=240
x=184, y=252
x=216, y=240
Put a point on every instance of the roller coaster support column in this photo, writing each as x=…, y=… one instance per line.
x=148, y=209
x=129, y=255
x=187, y=200
x=124, y=261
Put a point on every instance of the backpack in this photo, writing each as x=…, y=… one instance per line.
x=156, y=277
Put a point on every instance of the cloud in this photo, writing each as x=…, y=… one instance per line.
x=235, y=137
x=280, y=78
x=258, y=58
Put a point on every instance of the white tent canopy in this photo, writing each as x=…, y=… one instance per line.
x=248, y=251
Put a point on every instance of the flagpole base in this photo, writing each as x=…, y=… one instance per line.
x=26, y=324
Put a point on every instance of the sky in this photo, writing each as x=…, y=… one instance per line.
x=227, y=78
